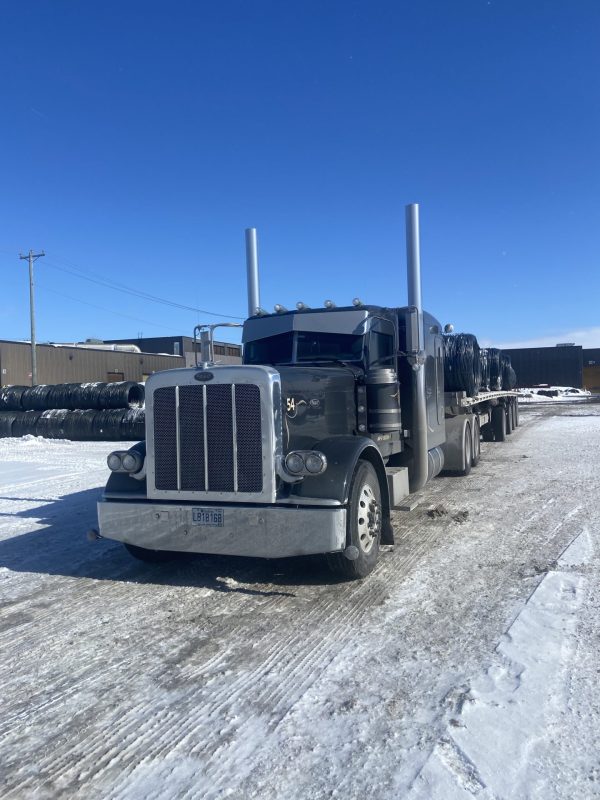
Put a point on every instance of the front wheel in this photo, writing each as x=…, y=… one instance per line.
x=363, y=525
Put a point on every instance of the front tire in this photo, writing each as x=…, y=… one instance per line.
x=364, y=524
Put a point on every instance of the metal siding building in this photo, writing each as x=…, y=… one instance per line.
x=63, y=364
x=557, y=366
x=591, y=369
x=225, y=352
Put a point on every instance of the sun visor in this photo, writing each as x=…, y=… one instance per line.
x=343, y=322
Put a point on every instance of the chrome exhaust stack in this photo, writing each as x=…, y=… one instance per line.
x=252, y=272
x=418, y=474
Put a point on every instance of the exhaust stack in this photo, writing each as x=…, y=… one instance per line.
x=252, y=272
x=418, y=478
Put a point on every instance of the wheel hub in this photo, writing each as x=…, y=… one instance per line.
x=368, y=519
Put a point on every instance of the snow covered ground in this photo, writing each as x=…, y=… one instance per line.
x=466, y=666
x=555, y=394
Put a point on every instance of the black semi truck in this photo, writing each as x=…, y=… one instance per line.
x=335, y=416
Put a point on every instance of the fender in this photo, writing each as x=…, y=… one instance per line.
x=343, y=453
x=120, y=483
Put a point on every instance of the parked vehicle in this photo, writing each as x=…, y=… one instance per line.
x=334, y=417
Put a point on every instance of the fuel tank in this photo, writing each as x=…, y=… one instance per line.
x=318, y=402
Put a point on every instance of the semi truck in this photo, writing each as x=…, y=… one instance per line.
x=335, y=416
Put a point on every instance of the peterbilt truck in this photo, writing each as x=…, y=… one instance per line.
x=334, y=417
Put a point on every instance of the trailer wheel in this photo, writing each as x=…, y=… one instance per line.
x=499, y=423
x=363, y=525
x=467, y=450
x=476, y=452
x=149, y=556
x=509, y=419
x=487, y=432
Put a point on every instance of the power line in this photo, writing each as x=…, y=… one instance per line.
x=120, y=287
x=108, y=310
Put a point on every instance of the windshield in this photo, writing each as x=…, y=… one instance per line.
x=303, y=346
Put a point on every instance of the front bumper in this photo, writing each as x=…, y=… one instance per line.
x=261, y=531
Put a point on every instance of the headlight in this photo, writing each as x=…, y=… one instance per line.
x=300, y=463
x=131, y=462
x=294, y=463
x=114, y=462
x=314, y=463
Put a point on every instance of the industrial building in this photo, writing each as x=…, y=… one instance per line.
x=78, y=364
x=562, y=365
x=121, y=360
x=225, y=352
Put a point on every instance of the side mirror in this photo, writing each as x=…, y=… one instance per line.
x=413, y=331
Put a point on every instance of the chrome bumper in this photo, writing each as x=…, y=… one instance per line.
x=264, y=532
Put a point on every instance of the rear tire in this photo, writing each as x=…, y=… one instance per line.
x=487, y=432
x=149, y=556
x=364, y=524
x=499, y=423
x=467, y=450
x=476, y=452
x=509, y=419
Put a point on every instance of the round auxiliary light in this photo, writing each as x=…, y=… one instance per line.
x=294, y=463
x=357, y=302
x=130, y=462
x=329, y=304
x=114, y=462
x=302, y=306
x=314, y=463
x=279, y=309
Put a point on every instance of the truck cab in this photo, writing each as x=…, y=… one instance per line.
x=289, y=453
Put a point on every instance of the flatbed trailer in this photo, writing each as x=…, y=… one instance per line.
x=491, y=416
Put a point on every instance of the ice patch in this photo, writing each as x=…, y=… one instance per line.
x=491, y=749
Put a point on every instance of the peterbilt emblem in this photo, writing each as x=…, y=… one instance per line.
x=204, y=376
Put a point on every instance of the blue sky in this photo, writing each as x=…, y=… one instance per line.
x=139, y=139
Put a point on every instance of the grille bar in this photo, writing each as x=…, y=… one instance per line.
x=178, y=437
x=205, y=438
x=234, y=439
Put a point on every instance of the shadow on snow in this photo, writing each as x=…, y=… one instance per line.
x=61, y=547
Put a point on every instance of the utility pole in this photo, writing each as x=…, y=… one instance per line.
x=31, y=258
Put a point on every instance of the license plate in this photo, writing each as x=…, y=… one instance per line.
x=208, y=517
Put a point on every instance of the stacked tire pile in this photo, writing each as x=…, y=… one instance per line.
x=82, y=412
x=471, y=369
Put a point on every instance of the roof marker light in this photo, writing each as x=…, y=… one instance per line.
x=357, y=302
x=279, y=309
x=302, y=306
x=329, y=304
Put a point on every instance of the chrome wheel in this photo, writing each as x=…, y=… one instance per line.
x=368, y=521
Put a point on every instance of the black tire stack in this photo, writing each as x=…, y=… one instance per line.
x=77, y=411
x=462, y=363
x=471, y=369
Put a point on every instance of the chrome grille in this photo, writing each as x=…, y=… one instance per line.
x=165, y=438
x=208, y=438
